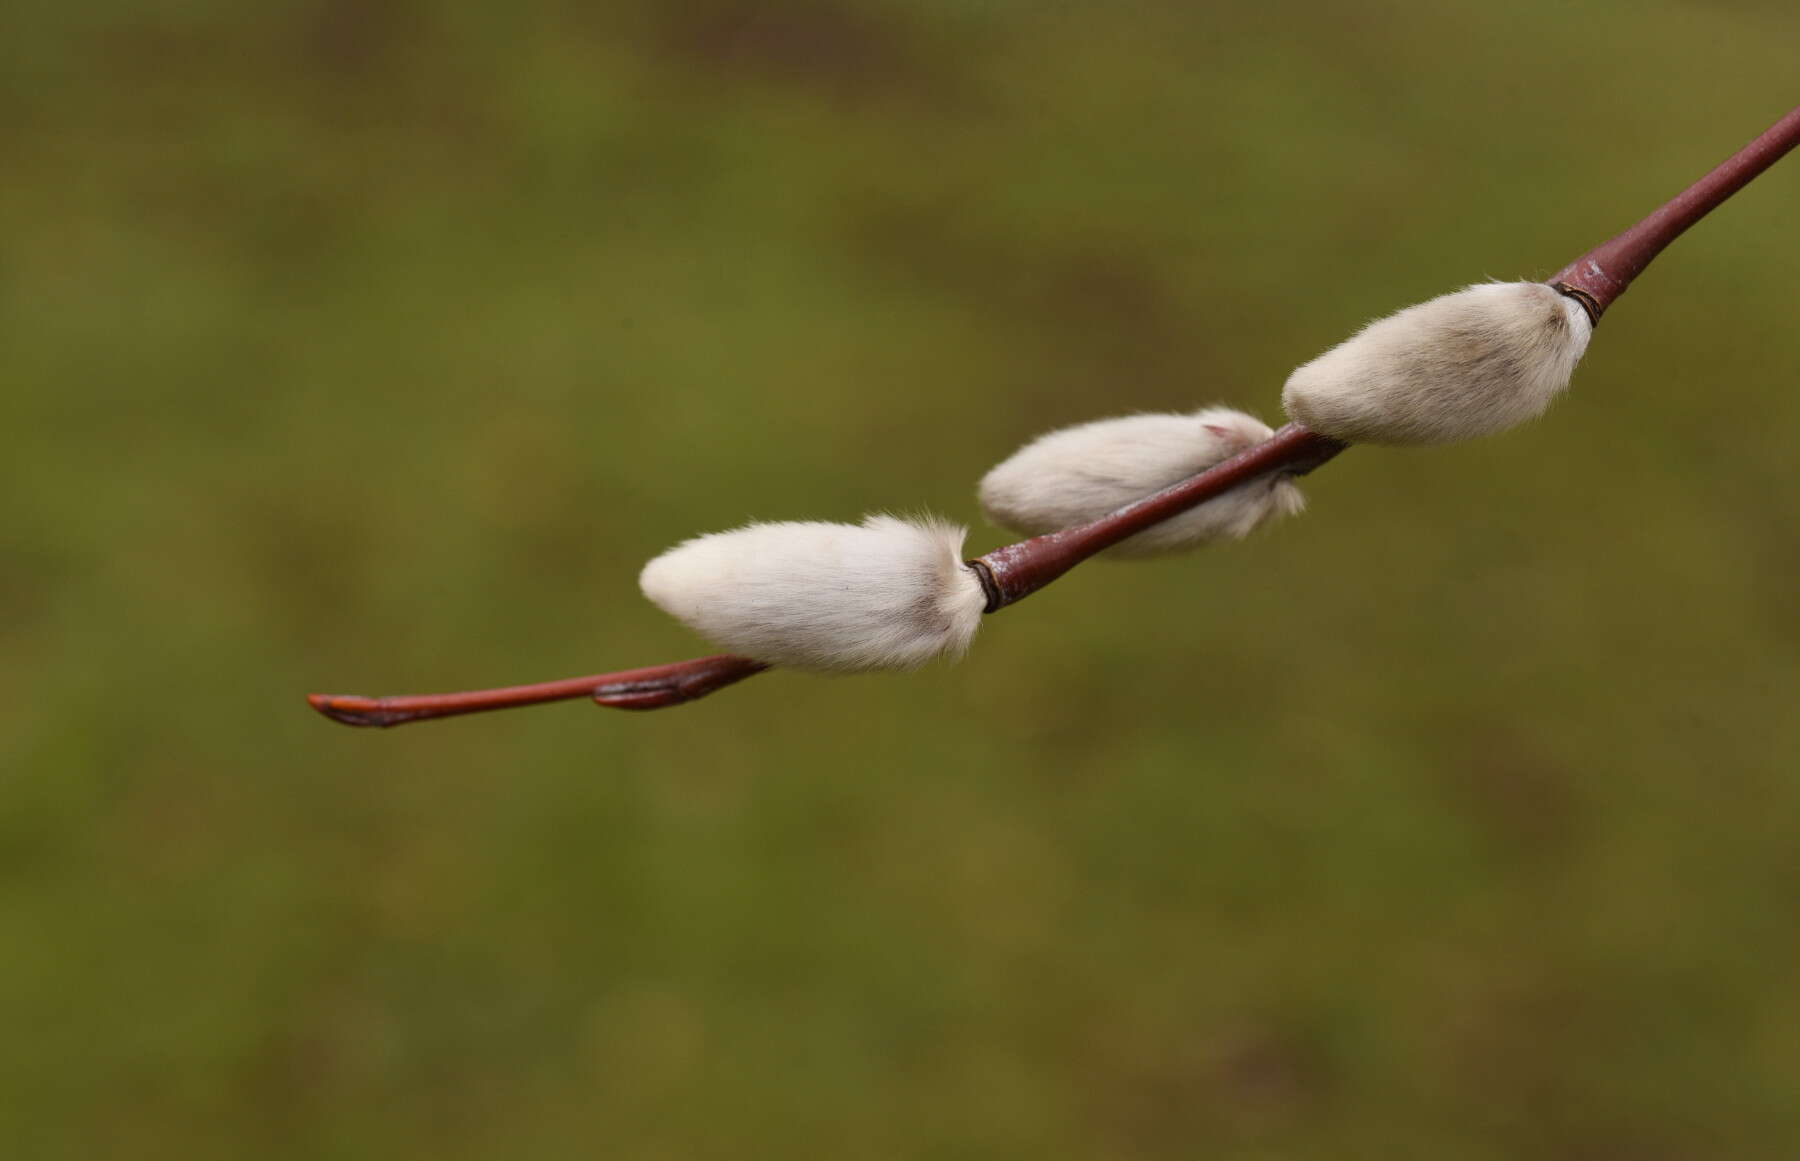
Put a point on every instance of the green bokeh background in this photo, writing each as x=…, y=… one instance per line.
x=373, y=347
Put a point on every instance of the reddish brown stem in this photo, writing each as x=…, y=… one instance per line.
x=1009, y=574
x=641, y=689
x=1012, y=573
x=1602, y=274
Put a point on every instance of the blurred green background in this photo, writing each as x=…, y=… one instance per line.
x=373, y=347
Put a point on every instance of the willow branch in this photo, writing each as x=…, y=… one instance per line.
x=1014, y=572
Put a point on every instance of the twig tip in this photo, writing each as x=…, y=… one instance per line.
x=350, y=709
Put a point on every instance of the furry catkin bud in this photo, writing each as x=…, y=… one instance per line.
x=843, y=598
x=1463, y=365
x=1081, y=473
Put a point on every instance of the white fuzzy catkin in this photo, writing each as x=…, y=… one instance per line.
x=842, y=598
x=1081, y=473
x=1467, y=364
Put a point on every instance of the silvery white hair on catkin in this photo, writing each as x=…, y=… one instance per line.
x=1076, y=474
x=1459, y=366
x=893, y=594
x=838, y=598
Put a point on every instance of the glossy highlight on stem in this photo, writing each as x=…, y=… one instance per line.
x=1602, y=274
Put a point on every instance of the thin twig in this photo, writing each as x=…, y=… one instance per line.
x=638, y=689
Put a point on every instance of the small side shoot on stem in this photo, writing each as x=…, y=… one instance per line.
x=653, y=687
